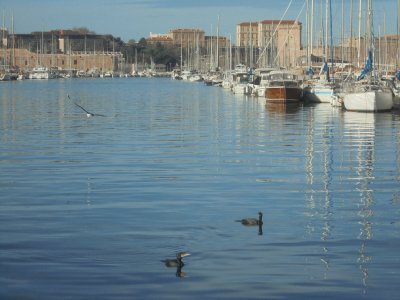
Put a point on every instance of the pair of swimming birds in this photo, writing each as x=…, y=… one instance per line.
x=178, y=262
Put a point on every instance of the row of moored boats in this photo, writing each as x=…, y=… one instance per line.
x=278, y=85
x=366, y=92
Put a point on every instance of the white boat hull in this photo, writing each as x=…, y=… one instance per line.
x=372, y=101
x=240, y=89
x=259, y=91
x=323, y=94
x=41, y=73
x=39, y=76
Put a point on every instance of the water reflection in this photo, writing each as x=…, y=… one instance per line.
x=319, y=169
x=359, y=132
x=360, y=128
x=282, y=108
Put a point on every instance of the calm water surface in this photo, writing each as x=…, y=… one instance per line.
x=90, y=206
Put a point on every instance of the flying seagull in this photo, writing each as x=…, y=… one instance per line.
x=88, y=114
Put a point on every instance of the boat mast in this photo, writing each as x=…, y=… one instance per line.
x=331, y=33
x=322, y=32
x=3, y=32
x=13, y=40
x=342, y=43
x=326, y=29
x=312, y=30
x=351, y=31
x=308, y=33
x=369, y=30
x=211, y=50
x=398, y=30
x=230, y=52
x=217, y=52
x=181, y=50
x=251, y=46
x=359, y=34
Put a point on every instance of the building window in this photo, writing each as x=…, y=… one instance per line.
x=75, y=62
x=62, y=62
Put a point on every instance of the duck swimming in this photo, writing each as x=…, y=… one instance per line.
x=177, y=262
x=252, y=221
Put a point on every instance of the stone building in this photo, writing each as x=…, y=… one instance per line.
x=188, y=38
x=63, y=50
x=163, y=39
x=26, y=60
x=270, y=42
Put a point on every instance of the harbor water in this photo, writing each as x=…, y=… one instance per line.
x=90, y=206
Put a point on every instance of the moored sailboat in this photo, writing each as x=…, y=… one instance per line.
x=368, y=94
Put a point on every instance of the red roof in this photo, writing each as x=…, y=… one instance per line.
x=283, y=22
x=291, y=22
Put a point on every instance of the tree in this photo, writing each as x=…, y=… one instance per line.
x=83, y=30
x=162, y=54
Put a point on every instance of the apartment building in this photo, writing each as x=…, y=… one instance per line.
x=188, y=38
x=276, y=42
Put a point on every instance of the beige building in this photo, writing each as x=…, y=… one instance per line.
x=247, y=34
x=188, y=38
x=278, y=42
x=164, y=39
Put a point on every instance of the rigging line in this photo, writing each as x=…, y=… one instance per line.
x=287, y=36
x=270, y=40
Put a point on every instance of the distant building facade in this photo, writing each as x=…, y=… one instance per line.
x=27, y=60
x=271, y=42
x=163, y=39
x=61, y=50
x=198, y=51
x=188, y=38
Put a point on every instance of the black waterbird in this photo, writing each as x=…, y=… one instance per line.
x=252, y=221
x=176, y=262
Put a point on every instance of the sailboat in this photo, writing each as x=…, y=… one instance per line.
x=396, y=83
x=324, y=89
x=368, y=94
x=41, y=72
x=5, y=73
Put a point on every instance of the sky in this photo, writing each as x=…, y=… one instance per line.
x=134, y=19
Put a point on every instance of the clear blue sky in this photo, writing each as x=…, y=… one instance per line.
x=134, y=19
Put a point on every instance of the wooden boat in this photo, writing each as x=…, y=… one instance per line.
x=283, y=87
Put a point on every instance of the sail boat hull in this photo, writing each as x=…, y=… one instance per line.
x=371, y=101
x=320, y=94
